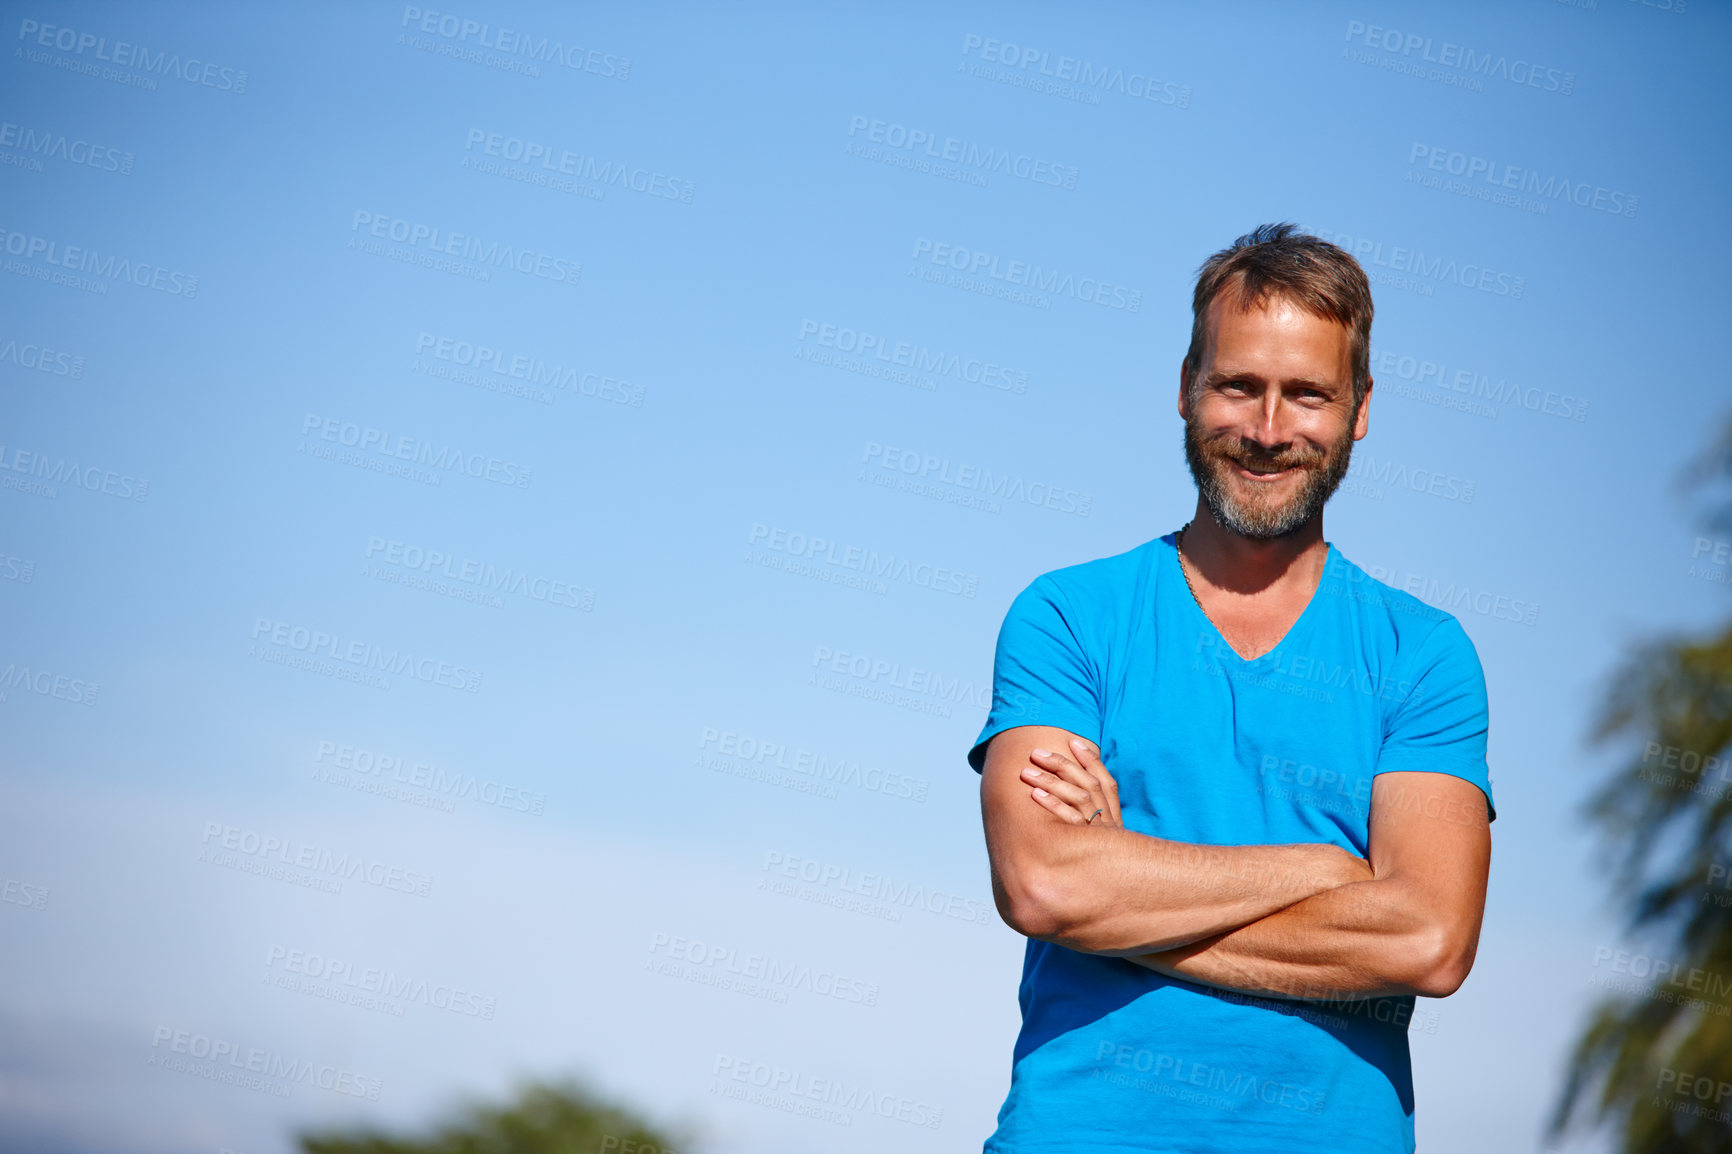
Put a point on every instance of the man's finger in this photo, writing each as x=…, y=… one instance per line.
x=1089, y=756
x=1075, y=785
x=1091, y=761
x=1065, y=812
x=1064, y=768
x=1061, y=766
x=1067, y=791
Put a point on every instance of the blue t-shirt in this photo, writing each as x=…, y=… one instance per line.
x=1210, y=748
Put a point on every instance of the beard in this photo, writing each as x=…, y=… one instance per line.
x=1263, y=518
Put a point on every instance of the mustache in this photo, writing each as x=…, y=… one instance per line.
x=1249, y=453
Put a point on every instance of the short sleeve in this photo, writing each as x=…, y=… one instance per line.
x=1440, y=725
x=1041, y=673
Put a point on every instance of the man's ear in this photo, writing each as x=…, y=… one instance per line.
x=1362, y=419
x=1184, y=392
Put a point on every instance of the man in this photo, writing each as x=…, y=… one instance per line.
x=1228, y=928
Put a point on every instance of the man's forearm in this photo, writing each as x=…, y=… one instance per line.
x=1364, y=939
x=1120, y=892
x=1059, y=877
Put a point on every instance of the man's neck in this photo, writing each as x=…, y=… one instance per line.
x=1244, y=566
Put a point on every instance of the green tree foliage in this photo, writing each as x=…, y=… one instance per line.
x=1664, y=823
x=545, y=1118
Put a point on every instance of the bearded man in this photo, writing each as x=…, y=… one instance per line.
x=1234, y=790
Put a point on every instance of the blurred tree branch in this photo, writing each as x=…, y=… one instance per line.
x=1664, y=820
x=545, y=1118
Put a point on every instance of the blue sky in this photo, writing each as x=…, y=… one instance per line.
x=740, y=275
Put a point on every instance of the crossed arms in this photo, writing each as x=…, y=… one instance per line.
x=1296, y=921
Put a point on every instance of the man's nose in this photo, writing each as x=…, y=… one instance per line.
x=1270, y=427
x=1267, y=446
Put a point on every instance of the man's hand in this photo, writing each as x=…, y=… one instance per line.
x=1078, y=789
x=1074, y=788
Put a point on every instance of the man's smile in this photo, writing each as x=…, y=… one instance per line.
x=1264, y=473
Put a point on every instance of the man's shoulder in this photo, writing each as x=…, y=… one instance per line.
x=1384, y=608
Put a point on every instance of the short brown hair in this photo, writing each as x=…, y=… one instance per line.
x=1277, y=260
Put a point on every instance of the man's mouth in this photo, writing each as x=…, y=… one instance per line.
x=1264, y=469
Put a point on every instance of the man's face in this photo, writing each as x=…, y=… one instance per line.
x=1270, y=421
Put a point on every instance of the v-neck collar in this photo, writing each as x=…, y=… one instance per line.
x=1206, y=622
